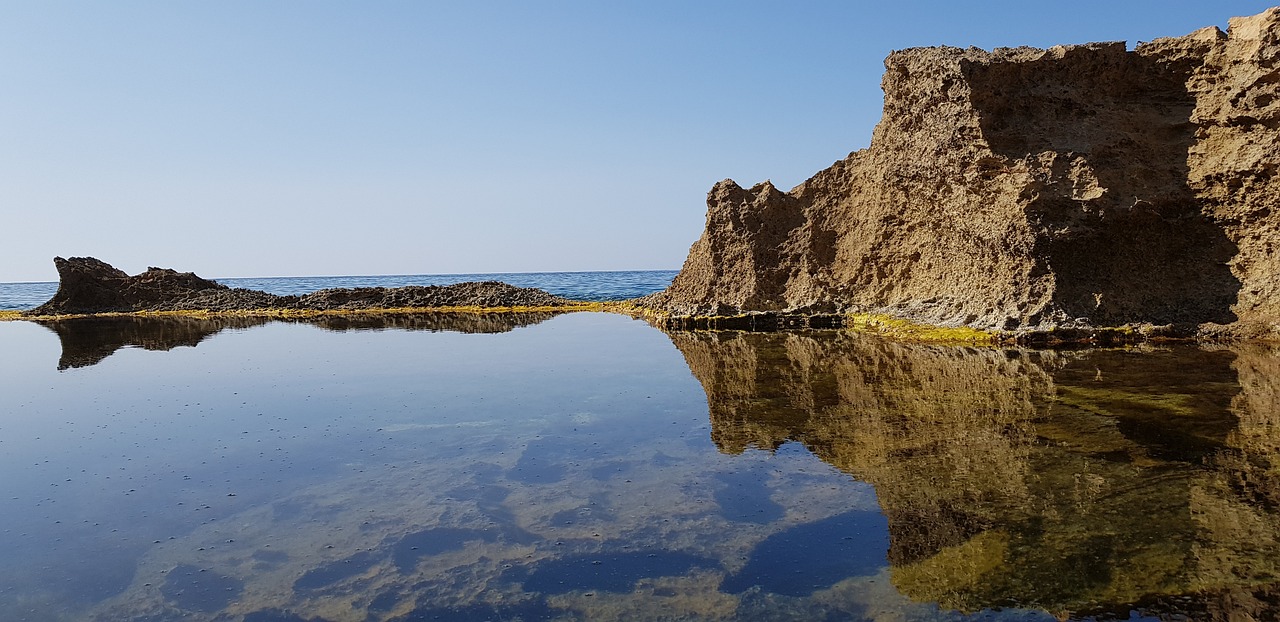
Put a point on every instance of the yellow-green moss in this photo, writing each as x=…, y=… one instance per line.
x=1108, y=400
x=910, y=331
x=879, y=324
x=954, y=574
x=309, y=313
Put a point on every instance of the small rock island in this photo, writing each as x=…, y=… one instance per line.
x=88, y=286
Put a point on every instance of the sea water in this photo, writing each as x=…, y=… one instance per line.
x=586, y=466
x=615, y=285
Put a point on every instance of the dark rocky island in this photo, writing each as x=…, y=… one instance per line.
x=87, y=286
x=1027, y=190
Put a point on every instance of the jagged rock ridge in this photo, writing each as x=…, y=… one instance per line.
x=87, y=285
x=1022, y=188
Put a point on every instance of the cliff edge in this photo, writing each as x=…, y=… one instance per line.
x=1027, y=189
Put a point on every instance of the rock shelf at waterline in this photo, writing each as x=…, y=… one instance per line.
x=88, y=286
x=91, y=288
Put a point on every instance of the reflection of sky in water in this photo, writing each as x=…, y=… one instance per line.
x=282, y=471
x=571, y=469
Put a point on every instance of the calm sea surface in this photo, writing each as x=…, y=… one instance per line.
x=618, y=285
x=587, y=466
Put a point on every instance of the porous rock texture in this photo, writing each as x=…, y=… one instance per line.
x=88, y=286
x=1021, y=188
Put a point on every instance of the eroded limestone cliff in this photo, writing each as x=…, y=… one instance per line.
x=1083, y=185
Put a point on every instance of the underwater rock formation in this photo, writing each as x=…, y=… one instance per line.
x=87, y=286
x=1083, y=185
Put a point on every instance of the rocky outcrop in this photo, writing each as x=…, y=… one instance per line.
x=1015, y=189
x=88, y=286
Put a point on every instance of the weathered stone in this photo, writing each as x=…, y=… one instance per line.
x=1024, y=189
x=88, y=286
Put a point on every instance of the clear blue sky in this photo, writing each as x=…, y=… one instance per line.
x=307, y=138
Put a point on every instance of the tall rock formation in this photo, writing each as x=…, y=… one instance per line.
x=1022, y=188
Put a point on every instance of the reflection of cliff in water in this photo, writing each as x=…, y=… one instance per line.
x=86, y=341
x=1077, y=482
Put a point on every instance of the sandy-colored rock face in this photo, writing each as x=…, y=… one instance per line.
x=1028, y=188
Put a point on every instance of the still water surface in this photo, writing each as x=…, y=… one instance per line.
x=589, y=467
x=615, y=285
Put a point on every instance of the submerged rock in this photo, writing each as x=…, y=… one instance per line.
x=88, y=286
x=1021, y=189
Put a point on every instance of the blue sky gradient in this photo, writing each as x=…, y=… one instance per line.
x=308, y=138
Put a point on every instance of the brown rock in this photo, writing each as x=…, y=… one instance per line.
x=88, y=286
x=1027, y=189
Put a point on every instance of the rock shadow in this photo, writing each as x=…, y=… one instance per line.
x=1126, y=237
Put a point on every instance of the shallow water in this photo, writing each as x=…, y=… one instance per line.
x=588, y=466
x=617, y=285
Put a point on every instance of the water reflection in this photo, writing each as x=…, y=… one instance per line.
x=562, y=472
x=1082, y=483
x=576, y=470
x=87, y=341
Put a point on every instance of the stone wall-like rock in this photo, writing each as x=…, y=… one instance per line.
x=1021, y=188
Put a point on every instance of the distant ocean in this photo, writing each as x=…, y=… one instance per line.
x=574, y=285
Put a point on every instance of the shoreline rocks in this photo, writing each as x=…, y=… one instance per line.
x=90, y=286
x=1024, y=190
